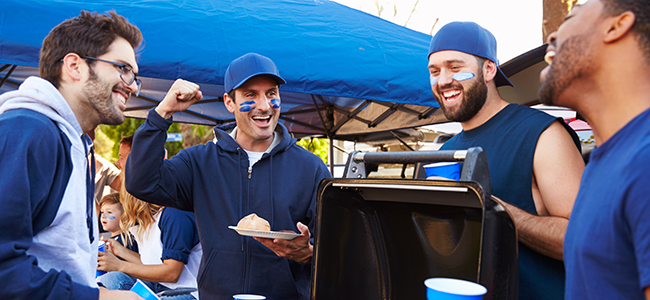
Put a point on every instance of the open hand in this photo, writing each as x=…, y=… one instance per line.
x=298, y=249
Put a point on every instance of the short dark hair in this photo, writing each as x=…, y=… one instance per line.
x=641, y=27
x=89, y=34
x=480, y=61
x=127, y=140
x=232, y=95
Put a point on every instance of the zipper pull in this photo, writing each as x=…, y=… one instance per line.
x=250, y=172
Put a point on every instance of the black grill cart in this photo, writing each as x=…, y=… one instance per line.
x=381, y=238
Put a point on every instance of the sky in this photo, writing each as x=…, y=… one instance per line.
x=516, y=24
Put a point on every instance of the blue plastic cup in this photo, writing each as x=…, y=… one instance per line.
x=453, y=289
x=449, y=170
x=248, y=297
x=144, y=291
x=101, y=249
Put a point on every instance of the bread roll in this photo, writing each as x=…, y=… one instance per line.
x=254, y=222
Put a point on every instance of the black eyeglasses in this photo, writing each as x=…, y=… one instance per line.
x=128, y=77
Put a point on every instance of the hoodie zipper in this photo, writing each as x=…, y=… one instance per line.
x=247, y=253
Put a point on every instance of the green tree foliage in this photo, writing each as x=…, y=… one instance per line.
x=317, y=146
x=115, y=133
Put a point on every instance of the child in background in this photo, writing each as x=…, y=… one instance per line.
x=169, y=246
x=111, y=211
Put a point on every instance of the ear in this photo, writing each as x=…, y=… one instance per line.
x=489, y=70
x=229, y=102
x=71, y=67
x=620, y=25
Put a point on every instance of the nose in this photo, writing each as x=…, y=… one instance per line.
x=444, y=78
x=133, y=88
x=264, y=103
x=552, y=38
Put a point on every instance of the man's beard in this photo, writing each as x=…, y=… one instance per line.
x=100, y=97
x=473, y=100
x=572, y=61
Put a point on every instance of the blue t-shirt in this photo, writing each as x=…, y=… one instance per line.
x=130, y=244
x=607, y=244
x=178, y=234
x=509, y=140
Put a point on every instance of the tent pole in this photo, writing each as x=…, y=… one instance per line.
x=331, y=155
x=8, y=74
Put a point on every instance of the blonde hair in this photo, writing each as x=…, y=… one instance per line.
x=135, y=212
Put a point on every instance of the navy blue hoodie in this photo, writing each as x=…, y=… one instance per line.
x=214, y=182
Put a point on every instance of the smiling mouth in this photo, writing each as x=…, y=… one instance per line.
x=550, y=55
x=262, y=120
x=450, y=96
x=122, y=95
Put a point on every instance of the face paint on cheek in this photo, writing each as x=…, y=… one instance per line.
x=246, y=106
x=458, y=77
x=275, y=103
x=111, y=218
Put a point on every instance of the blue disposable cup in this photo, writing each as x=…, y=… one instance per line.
x=144, y=291
x=248, y=297
x=453, y=289
x=101, y=249
x=449, y=170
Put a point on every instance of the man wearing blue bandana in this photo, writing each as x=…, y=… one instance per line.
x=258, y=168
x=534, y=158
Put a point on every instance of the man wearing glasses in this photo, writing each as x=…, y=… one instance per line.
x=49, y=245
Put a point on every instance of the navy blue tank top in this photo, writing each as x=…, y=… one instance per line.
x=509, y=140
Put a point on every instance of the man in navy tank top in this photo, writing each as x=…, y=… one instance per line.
x=534, y=158
x=601, y=68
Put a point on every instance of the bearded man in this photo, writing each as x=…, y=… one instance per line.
x=534, y=158
x=88, y=70
x=601, y=68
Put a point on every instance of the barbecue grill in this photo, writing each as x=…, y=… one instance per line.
x=381, y=238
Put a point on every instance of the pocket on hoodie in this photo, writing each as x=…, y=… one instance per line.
x=273, y=276
x=221, y=268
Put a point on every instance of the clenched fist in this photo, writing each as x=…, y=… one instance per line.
x=180, y=96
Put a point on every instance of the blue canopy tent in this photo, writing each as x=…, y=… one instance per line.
x=348, y=73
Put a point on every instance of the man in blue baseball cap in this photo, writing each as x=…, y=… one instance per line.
x=257, y=168
x=534, y=158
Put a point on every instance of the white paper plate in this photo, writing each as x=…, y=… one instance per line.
x=265, y=234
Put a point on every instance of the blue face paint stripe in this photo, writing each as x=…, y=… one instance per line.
x=275, y=103
x=246, y=106
x=463, y=76
x=111, y=218
x=458, y=77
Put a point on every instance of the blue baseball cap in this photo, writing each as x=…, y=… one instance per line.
x=246, y=67
x=470, y=38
